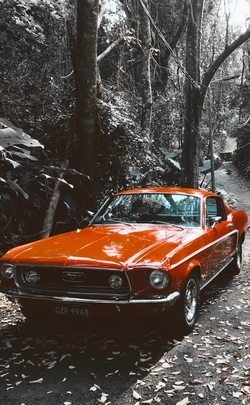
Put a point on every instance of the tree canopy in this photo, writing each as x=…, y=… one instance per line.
x=116, y=93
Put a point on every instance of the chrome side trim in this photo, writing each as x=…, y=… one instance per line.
x=204, y=248
x=169, y=299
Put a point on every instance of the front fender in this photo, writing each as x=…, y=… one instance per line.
x=179, y=275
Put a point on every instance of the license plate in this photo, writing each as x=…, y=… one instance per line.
x=82, y=311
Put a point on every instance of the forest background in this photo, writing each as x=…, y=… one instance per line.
x=96, y=97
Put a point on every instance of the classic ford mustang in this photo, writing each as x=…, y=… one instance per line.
x=145, y=251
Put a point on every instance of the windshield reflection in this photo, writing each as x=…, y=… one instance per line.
x=155, y=208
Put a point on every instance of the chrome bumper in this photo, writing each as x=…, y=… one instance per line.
x=169, y=299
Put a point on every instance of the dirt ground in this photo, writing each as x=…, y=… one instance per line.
x=137, y=364
x=233, y=187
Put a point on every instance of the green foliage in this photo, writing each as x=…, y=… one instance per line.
x=34, y=58
x=37, y=91
x=34, y=92
x=26, y=184
x=16, y=199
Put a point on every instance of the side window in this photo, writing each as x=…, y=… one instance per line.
x=215, y=207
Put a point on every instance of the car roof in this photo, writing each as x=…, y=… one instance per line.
x=173, y=190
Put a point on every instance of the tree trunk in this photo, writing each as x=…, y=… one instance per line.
x=52, y=206
x=191, y=135
x=165, y=57
x=146, y=71
x=86, y=82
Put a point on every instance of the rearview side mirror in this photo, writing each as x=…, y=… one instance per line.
x=212, y=221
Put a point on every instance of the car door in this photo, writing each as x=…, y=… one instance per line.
x=222, y=234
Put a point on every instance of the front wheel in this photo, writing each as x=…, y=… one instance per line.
x=188, y=304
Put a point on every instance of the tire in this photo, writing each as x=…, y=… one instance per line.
x=30, y=315
x=188, y=305
x=235, y=266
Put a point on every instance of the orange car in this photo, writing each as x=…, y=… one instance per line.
x=145, y=251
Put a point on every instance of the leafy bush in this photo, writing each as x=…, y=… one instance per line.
x=26, y=186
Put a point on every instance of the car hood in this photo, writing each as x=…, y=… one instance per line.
x=119, y=246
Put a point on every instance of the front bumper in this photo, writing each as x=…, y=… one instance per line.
x=162, y=300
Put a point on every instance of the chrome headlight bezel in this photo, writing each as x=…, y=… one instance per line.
x=159, y=279
x=7, y=271
x=115, y=281
x=32, y=276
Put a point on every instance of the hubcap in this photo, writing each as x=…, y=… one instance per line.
x=191, y=299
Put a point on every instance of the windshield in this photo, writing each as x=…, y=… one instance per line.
x=174, y=209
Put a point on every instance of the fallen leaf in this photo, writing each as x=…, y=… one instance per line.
x=160, y=385
x=185, y=401
x=188, y=360
x=223, y=380
x=195, y=382
x=136, y=395
x=39, y=381
x=179, y=387
x=103, y=398
x=246, y=381
x=222, y=361
x=210, y=386
x=142, y=360
x=63, y=356
x=166, y=365
x=236, y=394
x=246, y=389
x=51, y=365
x=18, y=383
x=95, y=388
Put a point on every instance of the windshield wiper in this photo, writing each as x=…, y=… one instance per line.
x=166, y=223
x=115, y=220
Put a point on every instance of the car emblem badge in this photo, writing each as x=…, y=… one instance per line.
x=73, y=277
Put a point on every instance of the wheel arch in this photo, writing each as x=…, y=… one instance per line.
x=194, y=265
x=187, y=269
x=242, y=237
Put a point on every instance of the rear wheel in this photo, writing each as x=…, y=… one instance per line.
x=188, y=304
x=235, y=266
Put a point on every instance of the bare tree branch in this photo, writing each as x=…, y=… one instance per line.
x=219, y=60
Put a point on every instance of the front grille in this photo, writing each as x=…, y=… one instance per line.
x=72, y=281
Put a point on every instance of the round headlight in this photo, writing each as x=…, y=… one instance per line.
x=159, y=279
x=115, y=282
x=32, y=276
x=7, y=271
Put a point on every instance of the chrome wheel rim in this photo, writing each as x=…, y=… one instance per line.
x=191, y=300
